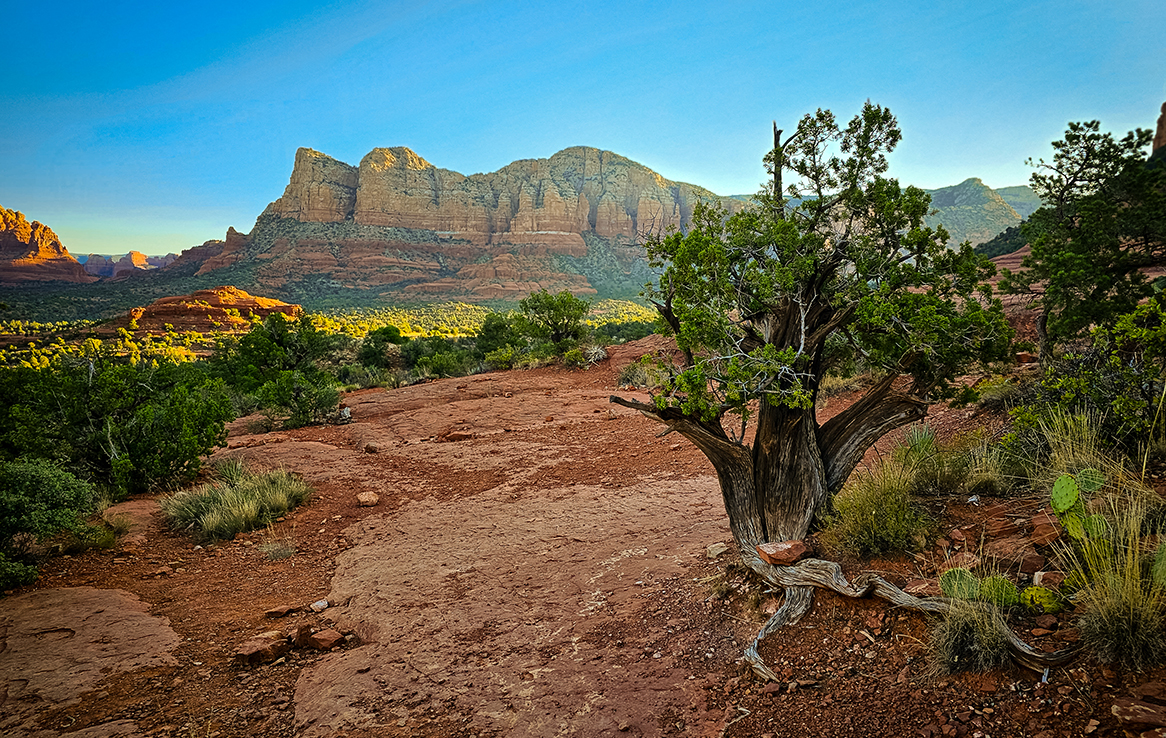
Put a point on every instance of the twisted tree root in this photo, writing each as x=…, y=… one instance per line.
x=799, y=582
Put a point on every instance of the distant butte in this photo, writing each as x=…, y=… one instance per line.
x=31, y=252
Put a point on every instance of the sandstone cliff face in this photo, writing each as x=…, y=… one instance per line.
x=31, y=252
x=400, y=225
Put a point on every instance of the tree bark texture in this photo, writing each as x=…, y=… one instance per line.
x=773, y=491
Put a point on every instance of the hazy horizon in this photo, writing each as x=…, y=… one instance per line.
x=155, y=128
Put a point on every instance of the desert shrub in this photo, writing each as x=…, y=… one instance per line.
x=295, y=400
x=359, y=376
x=271, y=347
x=643, y=373
x=874, y=513
x=376, y=349
x=970, y=637
x=37, y=500
x=497, y=334
x=556, y=318
x=130, y=426
x=222, y=509
x=999, y=393
x=435, y=356
x=574, y=359
x=933, y=468
x=632, y=330
x=1122, y=595
x=502, y=358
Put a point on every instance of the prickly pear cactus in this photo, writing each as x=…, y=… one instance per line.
x=1041, y=599
x=1090, y=480
x=959, y=584
x=1065, y=494
x=1095, y=526
x=999, y=591
x=1073, y=524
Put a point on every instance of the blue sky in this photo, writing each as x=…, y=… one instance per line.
x=155, y=126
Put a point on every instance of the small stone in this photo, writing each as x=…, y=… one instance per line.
x=549, y=419
x=1048, y=579
x=957, y=535
x=262, y=650
x=782, y=553
x=303, y=635
x=319, y=605
x=716, y=549
x=1045, y=621
x=1139, y=713
x=326, y=639
x=372, y=448
x=367, y=499
x=281, y=611
x=1038, y=632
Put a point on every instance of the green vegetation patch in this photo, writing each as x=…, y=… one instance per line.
x=237, y=502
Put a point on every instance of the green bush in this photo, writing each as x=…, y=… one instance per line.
x=294, y=400
x=133, y=427
x=555, y=318
x=375, y=351
x=223, y=509
x=933, y=468
x=874, y=513
x=37, y=499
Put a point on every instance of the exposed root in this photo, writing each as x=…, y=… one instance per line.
x=798, y=582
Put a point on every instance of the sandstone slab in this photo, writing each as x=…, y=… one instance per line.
x=57, y=644
x=782, y=553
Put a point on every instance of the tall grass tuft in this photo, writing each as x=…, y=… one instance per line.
x=971, y=637
x=935, y=468
x=1123, y=603
x=874, y=513
x=238, y=501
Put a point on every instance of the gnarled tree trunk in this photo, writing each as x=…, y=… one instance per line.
x=773, y=491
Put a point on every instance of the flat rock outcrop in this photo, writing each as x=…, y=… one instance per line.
x=224, y=309
x=31, y=252
x=58, y=644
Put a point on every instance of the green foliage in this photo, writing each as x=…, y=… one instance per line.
x=1041, y=599
x=37, y=499
x=875, y=514
x=959, y=584
x=274, y=346
x=373, y=350
x=999, y=591
x=970, y=637
x=235, y=504
x=1010, y=240
x=555, y=318
x=1105, y=207
x=934, y=468
x=846, y=245
x=130, y=426
x=294, y=400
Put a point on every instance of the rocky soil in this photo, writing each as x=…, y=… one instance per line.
x=537, y=563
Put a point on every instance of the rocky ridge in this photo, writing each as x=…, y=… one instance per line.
x=407, y=229
x=103, y=265
x=224, y=309
x=973, y=211
x=31, y=252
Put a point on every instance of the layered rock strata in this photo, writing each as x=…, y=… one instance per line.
x=407, y=229
x=31, y=252
x=225, y=309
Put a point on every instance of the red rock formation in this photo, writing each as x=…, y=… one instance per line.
x=1160, y=135
x=31, y=252
x=399, y=224
x=203, y=311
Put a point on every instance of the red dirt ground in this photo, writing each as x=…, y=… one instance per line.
x=536, y=566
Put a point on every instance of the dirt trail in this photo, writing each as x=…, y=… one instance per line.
x=536, y=566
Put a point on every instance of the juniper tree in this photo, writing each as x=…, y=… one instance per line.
x=762, y=304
